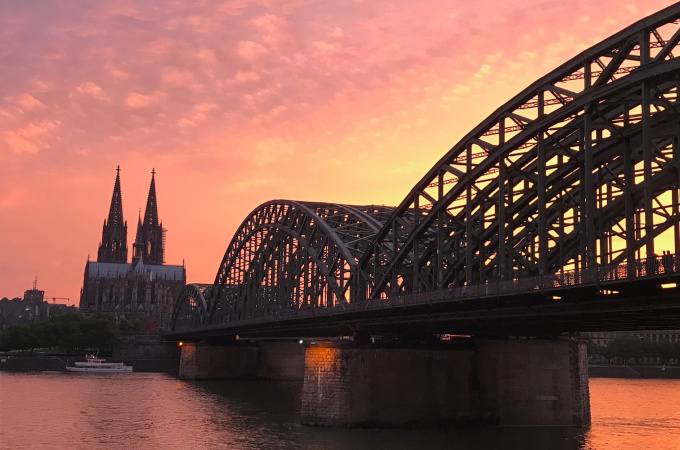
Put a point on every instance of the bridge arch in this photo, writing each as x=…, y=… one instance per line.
x=191, y=307
x=579, y=169
x=289, y=255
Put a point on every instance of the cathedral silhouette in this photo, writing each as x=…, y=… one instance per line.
x=145, y=285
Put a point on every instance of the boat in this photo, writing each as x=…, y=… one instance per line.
x=93, y=364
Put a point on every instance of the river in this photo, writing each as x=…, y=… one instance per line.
x=154, y=411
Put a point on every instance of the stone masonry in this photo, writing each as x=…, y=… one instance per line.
x=505, y=382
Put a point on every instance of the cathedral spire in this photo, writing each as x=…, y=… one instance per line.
x=151, y=212
x=149, y=246
x=116, y=209
x=113, y=247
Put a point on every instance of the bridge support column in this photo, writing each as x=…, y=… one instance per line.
x=261, y=360
x=508, y=383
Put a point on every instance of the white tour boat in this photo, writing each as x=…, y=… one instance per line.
x=99, y=365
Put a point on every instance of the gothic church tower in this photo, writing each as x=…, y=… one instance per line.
x=150, y=240
x=113, y=246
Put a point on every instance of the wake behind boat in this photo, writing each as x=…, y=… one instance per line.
x=99, y=365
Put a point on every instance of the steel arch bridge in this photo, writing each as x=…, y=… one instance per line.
x=286, y=255
x=580, y=170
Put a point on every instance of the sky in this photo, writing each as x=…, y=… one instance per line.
x=234, y=103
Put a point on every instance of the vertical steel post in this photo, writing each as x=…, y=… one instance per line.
x=468, y=218
x=501, y=258
x=439, y=269
x=541, y=194
x=676, y=186
x=647, y=149
x=589, y=187
x=629, y=185
x=416, y=250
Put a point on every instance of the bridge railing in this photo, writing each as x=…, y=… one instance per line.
x=646, y=267
x=658, y=265
x=595, y=275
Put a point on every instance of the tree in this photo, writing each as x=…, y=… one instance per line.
x=625, y=346
x=67, y=331
x=20, y=337
x=594, y=349
x=100, y=331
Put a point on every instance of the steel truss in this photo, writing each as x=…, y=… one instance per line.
x=191, y=307
x=290, y=255
x=579, y=169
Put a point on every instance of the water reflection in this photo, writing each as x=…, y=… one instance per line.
x=154, y=411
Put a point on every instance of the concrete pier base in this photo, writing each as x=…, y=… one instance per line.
x=504, y=382
x=268, y=360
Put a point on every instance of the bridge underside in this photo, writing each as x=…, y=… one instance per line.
x=613, y=306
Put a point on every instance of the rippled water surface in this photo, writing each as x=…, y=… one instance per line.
x=154, y=411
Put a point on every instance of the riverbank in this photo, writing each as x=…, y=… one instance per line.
x=58, y=364
x=636, y=371
x=171, y=367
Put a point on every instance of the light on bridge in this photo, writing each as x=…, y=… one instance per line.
x=180, y=343
x=669, y=285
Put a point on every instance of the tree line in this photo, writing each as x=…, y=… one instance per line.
x=628, y=346
x=65, y=333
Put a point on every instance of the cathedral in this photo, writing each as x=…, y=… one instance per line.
x=145, y=285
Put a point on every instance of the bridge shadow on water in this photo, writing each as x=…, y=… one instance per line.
x=266, y=414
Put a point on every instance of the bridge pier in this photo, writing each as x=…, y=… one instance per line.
x=268, y=360
x=502, y=382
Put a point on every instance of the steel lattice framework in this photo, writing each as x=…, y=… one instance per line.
x=286, y=255
x=581, y=169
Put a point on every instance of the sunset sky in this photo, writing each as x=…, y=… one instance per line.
x=238, y=102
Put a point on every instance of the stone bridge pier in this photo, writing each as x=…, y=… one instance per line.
x=499, y=382
x=511, y=382
x=268, y=360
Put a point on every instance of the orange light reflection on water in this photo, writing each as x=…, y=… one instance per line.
x=634, y=414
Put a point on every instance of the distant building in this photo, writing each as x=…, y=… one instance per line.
x=34, y=301
x=603, y=338
x=34, y=295
x=145, y=284
x=31, y=308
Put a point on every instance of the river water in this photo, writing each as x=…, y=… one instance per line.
x=155, y=411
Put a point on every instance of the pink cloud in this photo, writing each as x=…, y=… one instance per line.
x=176, y=76
x=29, y=103
x=249, y=50
x=91, y=89
x=206, y=107
x=137, y=100
x=244, y=77
x=32, y=138
x=273, y=29
x=232, y=8
x=13, y=197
